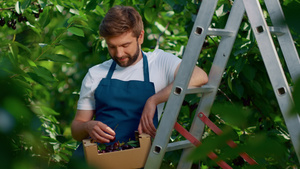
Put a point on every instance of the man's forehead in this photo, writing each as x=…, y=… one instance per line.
x=126, y=37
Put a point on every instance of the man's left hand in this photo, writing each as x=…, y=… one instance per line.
x=146, y=123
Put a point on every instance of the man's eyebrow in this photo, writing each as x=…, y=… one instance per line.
x=126, y=43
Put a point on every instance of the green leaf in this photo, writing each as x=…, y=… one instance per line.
x=48, y=111
x=59, y=31
x=239, y=65
x=31, y=63
x=42, y=3
x=59, y=8
x=44, y=110
x=23, y=47
x=56, y=58
x=74, y=45
x=149, y=14
x=249, y=72
x=45, y=17
x=25, y=4
x=232, y=114
x=76, y=31
x=77, y=19
x=256, y=87
x=44, y=73
x=17, y=7
x=237, y=88
x=91, y=5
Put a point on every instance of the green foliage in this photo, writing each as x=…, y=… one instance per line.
x=44, y=58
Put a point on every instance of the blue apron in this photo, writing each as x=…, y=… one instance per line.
x=119, y=104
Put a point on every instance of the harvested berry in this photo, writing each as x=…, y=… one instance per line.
x=117, y=146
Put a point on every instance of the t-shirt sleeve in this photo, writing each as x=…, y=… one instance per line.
x=170, y=63
x=86, y=100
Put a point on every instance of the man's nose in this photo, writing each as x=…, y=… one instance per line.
x=119, y=52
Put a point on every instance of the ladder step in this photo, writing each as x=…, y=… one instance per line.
x=276, y=30
x=222, y=32
x=219, y=32
x=202, y=89
x=179, y=145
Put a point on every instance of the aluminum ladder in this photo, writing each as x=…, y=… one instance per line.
x=263, y=36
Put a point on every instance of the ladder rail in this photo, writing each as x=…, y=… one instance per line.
x=215, y=75
x=181, y=81
x=274, y=69
x=285, y=40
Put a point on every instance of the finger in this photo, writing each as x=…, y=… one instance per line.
x=103, y=133
x=98, y=138
x=144, y=126
x=151, y=126
x=107, y=129
x=140, y=130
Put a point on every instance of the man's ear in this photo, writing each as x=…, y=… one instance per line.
x=141, y=37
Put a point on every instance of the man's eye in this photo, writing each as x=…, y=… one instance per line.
x=126, y=45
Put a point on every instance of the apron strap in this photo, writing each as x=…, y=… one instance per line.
x=111, y=70
x=145, y=66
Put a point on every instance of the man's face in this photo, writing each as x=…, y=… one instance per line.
x=125, y=49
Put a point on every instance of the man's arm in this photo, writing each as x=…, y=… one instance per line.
x=83, y=126
x=198, y=78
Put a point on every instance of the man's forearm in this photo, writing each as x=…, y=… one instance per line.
x=199, y=78
x=79, y=130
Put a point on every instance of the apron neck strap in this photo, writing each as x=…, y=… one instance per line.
x=145, y=68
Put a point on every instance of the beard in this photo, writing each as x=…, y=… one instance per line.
x=131, y=58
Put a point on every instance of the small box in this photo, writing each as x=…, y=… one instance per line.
x=125, y=159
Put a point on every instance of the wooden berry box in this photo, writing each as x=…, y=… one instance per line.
x=125, y=159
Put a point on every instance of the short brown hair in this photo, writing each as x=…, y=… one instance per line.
x=121, y=19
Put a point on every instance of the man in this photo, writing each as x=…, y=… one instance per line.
x=127, y=92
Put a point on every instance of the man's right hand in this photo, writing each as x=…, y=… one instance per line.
x=100, y=132
x=83, y=126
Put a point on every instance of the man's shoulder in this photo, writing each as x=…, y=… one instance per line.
x=155, y=53
x=100, y=70
x=159, y=55
x=101, y=66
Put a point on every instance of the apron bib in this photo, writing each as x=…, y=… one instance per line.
x=119, y=104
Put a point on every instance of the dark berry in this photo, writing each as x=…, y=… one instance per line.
x=36, y=15
x=16, y=13
x=24, y=18
x=13, y=27
x=2, y=21
x=206, y=43
x=9, y=24
x=13, y=21
x=40, y=10
x=20, y=19
x=125, y=146
x=114, y=139
x=109, y=148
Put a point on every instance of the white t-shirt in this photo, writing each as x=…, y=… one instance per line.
x=162, y=66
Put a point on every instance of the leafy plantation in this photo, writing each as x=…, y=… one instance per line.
x=47, y=46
